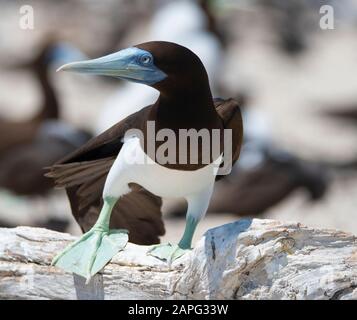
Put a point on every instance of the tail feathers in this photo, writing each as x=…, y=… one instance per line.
x=77, y=173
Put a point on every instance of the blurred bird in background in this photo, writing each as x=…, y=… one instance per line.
x=346, y=113
x=27, y=147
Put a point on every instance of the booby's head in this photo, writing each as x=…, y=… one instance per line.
x=159, y=64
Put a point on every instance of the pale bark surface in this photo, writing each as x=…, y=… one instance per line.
x=247, y=259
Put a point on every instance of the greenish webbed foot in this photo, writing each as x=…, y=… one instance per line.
x=167, y=252
x=91, y=252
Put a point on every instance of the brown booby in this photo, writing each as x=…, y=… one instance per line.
x=117, y=175
x=16, y=133
x=27, y=147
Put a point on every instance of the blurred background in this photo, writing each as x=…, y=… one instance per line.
x=291, y=64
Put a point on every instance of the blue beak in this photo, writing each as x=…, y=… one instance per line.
x=132, y=64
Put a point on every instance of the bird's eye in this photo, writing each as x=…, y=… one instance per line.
x=145, y=59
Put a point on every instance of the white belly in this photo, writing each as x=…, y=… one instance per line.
x=133, y=165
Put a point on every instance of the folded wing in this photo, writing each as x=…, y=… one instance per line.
x=230, y=113
x=83, y=174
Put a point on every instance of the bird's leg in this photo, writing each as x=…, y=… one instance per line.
x=197, y=207
x=95, y=248
x=191, y=224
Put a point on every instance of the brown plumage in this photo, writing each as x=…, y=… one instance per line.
x=27, y=147
x=22, y=167
x=13, y=133
x=83, y=174
x=185, y=102
x=213, y=25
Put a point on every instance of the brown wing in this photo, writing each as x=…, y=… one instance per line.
x=83, y=174
x=109, y=142
x=231, y=116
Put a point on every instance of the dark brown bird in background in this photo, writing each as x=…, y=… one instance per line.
x=345, y=113
x=253, y=192
x=290, y=23
x=208, y=7
x=16, y=133
x=27, y=147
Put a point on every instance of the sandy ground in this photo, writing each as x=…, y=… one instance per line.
x=290, y=91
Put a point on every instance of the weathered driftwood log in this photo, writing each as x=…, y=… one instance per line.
x=248, y=259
